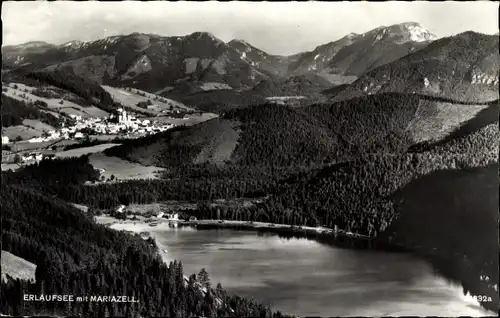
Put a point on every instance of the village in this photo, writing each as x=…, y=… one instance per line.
x=118, y=124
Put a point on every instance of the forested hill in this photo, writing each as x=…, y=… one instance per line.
x=451, y=67
x=281, y=136
x=78, y=257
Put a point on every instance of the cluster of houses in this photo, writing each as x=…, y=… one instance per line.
x=169, y=216
x=121, y=121
x=116, y=123
x=35, y=157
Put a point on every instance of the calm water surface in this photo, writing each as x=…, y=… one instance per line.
x=306, y=278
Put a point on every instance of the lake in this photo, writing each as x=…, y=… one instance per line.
x=306, y=278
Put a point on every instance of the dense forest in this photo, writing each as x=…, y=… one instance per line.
x=276, y=136
x=15, y=111
x=76, y=256
x=284, y=136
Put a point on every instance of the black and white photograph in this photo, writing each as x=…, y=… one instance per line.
x=250, y=159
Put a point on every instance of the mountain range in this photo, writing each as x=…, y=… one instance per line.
x=156, y=62
x=400, y=58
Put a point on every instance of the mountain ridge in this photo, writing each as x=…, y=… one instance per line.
x=151, y=61
x=451, y=67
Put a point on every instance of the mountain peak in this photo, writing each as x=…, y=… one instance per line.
x=205, y=36
x=241, y=41
x=403, y=32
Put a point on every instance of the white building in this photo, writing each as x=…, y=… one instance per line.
x=75, y=117
x=5, y=140
x=174, y=217
x=120, y=209
x=78, y=135
x=35, y=139
x=32, y=156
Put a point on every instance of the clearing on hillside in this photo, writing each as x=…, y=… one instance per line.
x=84, y=150
x=131, y=97
x=123, y=169
x=435, y=120
x=16, y=267
x=21, y=131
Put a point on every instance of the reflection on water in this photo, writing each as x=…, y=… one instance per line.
x=304, y=277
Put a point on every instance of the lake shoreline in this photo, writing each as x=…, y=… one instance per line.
x=327, y=237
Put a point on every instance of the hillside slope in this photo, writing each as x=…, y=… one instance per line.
x=273, y=64
x=451, y=67
x=281, y=136
x=145, y=61
x=14, y=267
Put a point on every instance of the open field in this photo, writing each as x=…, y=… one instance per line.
x=29, y=129
x=102, y=137
x=192, y=120
x=130, y=98
x=9, y=166
x=20, y=131
x=65, y=142
x=37, y=125
x=122, y=169
x=83, y=151
x=83, y=208
x=28, y=146
x=17, y=267
x=166, y=101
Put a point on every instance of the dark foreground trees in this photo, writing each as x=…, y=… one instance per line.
x=78, y=257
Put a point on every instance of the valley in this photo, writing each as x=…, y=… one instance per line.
x=364, y=170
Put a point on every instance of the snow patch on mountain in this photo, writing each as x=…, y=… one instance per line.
x=420, y=34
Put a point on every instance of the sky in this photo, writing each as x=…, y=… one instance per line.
x=277, y=28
